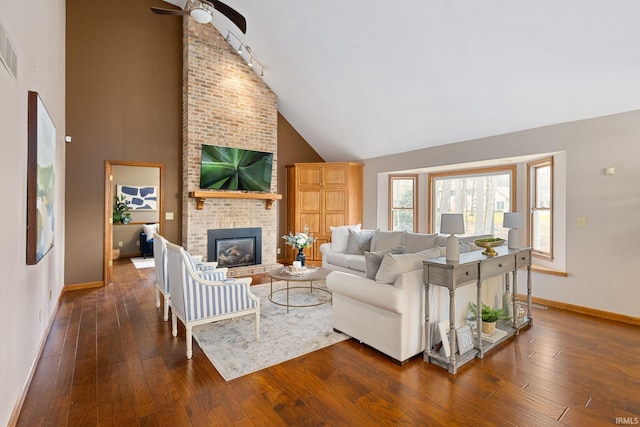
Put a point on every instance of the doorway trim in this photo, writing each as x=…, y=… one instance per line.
x=108, y=209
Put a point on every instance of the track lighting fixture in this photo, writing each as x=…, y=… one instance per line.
x=245, y=51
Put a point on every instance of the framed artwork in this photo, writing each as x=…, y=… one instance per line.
x=443, y=328
x=464, y=337
x=41, y=174
x=143, y=198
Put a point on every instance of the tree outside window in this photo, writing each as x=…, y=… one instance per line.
x=481, y=195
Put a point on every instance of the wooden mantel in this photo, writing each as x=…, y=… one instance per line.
x=269, y=198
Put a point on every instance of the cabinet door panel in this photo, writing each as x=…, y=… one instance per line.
x=309, y=201
x=335, y=201
x=309, y=176
x=333, y=220
x=317, y=255
x=311, y=220
x=335, y=175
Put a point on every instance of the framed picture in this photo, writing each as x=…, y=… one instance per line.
x=443, y=328
x=143, y=198
x=464, y=336
x=41, y=177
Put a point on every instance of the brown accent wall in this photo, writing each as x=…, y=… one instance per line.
x=124, y=103
x=292, y=148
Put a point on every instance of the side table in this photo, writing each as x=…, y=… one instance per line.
x=312, y=275
x=473, y=267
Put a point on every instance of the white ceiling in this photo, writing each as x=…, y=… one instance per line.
x=364, y=79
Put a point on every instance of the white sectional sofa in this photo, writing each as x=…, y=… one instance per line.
x=378, y=295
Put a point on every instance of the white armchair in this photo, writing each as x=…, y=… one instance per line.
x=199, y=298
x=162, y=281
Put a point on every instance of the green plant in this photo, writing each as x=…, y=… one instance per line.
x=121, y=210
x=488, y=314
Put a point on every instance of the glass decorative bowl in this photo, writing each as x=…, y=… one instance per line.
x=489, y=244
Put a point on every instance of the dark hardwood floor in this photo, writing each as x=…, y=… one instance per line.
x=110, y=360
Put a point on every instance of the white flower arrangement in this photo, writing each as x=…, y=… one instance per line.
x=300, y=240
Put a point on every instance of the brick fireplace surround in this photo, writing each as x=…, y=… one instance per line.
x=225, y=103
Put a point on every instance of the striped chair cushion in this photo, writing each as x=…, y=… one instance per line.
x=192, y=262
x=212, y=275
x=204, y=301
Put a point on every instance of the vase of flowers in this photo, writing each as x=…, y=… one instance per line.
x=300, y=241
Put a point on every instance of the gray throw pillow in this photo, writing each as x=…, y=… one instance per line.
x=384, y=239
x=359, y=241
x=372, y=260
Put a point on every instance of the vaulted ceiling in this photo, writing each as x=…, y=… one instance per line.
x=361, y=79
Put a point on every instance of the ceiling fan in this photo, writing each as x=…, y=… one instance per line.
x=201, y=11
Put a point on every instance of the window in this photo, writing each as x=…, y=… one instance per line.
x=540, y=184
x=481, y=195
x=402, y=203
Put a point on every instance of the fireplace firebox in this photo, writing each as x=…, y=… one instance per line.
x=235, y=247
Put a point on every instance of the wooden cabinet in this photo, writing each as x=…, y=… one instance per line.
x=322, y=195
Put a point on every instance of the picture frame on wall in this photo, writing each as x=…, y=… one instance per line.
x=41, y=178
x=139, y=197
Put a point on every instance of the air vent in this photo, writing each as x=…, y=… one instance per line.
x=8, y=54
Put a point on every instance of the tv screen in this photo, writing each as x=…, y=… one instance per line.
x=226, y=168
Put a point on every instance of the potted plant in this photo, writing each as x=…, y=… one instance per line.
x=489, y=317
x=121, y=209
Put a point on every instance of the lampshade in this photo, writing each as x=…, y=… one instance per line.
x=513, y=220
x=201, y=15
x=452, y=224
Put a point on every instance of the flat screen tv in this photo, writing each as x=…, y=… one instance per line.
x=226, y=168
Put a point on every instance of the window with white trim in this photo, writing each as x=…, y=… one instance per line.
x=540, y=184
x=402, y=202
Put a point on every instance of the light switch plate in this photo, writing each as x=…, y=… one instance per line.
x=581, y=221
x=168, y=215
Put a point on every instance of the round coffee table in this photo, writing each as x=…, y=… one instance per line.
x=311, y=275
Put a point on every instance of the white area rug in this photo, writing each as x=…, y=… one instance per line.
x=140, y=262
x=231, y=344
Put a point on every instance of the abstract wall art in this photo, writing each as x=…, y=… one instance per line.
x=139, y=197
x=41, y=174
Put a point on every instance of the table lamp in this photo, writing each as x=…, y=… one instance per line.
x=452, y=224
x=513, y=221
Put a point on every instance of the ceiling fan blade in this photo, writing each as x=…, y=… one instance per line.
x=233, y=15
x=161, y=11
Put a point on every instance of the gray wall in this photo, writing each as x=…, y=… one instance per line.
x=600, y=257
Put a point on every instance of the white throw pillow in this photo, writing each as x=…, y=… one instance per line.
x=150, y=230
x=340, y=237
x=393, y=265
x=429, y=253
